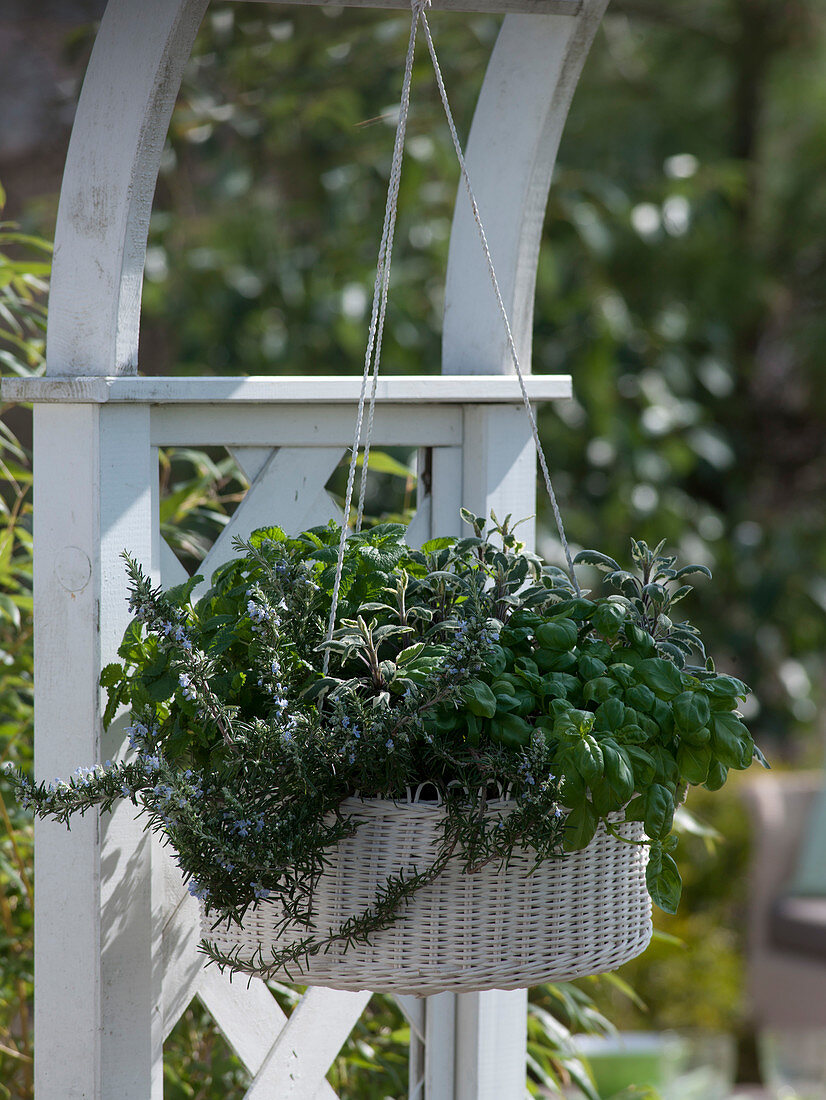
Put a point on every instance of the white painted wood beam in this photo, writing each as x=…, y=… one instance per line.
x=109, y=182
x=491, y=1045
x=248, y=1016
x=287, y=492
x=97, y=919
x=307, y=426
x=510, y=155
x=537, y=7
x=297, y=1064
x=412, y=389
x=251, y=460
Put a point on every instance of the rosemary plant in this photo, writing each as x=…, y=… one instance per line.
x=470, y=666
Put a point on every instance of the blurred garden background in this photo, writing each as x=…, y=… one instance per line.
x=682, y=283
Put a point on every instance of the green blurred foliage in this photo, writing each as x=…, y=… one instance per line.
x=24, y=262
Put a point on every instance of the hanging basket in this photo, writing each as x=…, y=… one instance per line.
x=497, y=928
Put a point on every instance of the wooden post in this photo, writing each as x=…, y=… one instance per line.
x=97, y=992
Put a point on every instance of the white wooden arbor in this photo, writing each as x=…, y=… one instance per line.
x=115, y=932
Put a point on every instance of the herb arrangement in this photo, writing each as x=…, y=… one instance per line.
x=469, y=666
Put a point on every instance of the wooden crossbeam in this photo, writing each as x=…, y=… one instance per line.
x=412, y=389
x=533, y=7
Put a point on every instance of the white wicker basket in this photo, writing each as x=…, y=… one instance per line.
x=498, y=928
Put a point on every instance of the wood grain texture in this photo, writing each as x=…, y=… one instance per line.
x=96, y=940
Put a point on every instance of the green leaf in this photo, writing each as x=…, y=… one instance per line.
x=115, y=697
x=687, y=571
x=381, y=462
x=557, y=635
x=111, y=674
x=659, y=811
x=717, y=775
x=640, y=697
x=610, y=715
x=639, y=639
x=601, y=561
x=691, y=711
x=600, y=689
x=575, y=609
x=663, y=880
x=580, y=826
x=642, y=763
x=162, y=688
x=479, y=699
x=618, y=777
x=761, y=759
x=443, y=543
x=586, y=756
x=732, y=742
x=693, y=762
x=511, y=730
x=607, y=619
x=726, y=687
x=591, y=667
x=662, y=677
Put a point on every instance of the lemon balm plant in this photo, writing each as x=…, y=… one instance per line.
x=469, y=667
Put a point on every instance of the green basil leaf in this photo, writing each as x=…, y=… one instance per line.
x=693, y=762
x=607, y=619
x=659, y=811
x=511, y=730
x=691, y=711
x=580, y=826
x=558, y=635
x=662, y=878
x=479, y=699
x=662, y=677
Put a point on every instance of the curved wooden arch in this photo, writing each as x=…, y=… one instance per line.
x=109, y=182
x=122, y=120
x=511, y=152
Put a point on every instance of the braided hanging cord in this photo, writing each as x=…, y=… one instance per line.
x=373, y=353
x=504, y=313
x=380, y=292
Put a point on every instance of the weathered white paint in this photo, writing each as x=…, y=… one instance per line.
x=510, y=155
x=491, y=1045
x=499, y=466
x=441, y=1051
x=400, y=389
x=251, y=460
x=448, y=492
x=289, y=488
x=310, y=425
x=297, y=1064
x=96, y=946
x=248, y=1016
x=109, y=181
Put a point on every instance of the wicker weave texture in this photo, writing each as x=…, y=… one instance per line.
x=497, y=928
